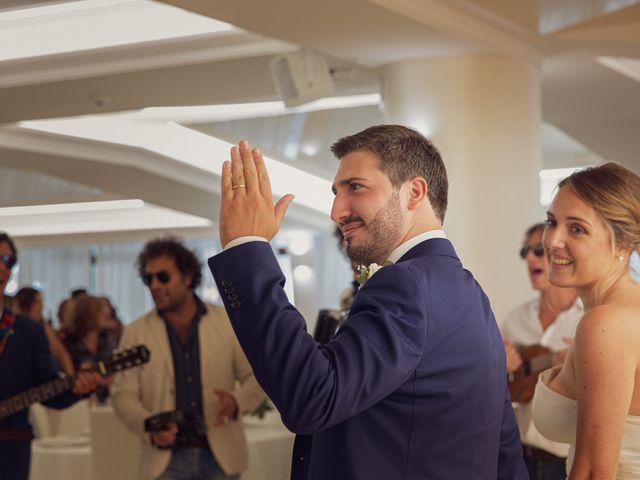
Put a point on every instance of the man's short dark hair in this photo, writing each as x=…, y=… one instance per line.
x=172, y=247
x=5, y=238
x=78, y=292
x=404, y=154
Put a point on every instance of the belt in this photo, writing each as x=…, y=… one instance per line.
x=16, y=435
x=540, y=455
x=192, y=443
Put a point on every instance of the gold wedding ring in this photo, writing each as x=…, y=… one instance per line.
x=240, y=185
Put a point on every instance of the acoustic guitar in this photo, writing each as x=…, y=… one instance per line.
x=522, y=382
x=118, y=361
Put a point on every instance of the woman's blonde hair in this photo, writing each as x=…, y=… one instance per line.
x=614, y=193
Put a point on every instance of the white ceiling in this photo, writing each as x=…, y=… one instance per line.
x=590, y=111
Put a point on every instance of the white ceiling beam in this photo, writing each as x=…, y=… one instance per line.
x=463, y=20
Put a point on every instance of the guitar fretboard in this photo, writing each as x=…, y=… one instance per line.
x=34, y=395
x=534, y=365
x=118, y=361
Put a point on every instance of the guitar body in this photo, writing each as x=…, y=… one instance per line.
x=522, y=382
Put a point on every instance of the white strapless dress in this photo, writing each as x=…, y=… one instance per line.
x=555, y=417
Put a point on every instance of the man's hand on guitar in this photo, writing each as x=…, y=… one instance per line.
x=86, y=382
x=514, y=360
x=87, y=379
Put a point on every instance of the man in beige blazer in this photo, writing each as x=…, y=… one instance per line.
x=196, y=367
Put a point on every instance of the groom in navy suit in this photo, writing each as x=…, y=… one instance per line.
x=413, y=385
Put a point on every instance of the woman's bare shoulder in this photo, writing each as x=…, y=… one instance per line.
x=610, y=324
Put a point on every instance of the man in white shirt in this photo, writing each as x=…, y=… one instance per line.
x=549, y=321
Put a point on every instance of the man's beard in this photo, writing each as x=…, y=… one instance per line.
x=383, y=230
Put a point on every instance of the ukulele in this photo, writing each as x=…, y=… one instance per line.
x=118, y=361
x=522, y=382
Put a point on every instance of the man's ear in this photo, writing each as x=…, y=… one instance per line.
x=417, y=192
x=187, y=278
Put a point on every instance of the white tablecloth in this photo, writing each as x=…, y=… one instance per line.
x=270, y=446
x=57, y=462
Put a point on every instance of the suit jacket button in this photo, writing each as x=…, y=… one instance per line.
x=229, y=290
x=236, y=305
x=226, y=283
x=233, y=297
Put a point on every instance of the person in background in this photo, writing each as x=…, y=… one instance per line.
x=113, y=327
x=549, y=320
x=65, y=311
x=29, y=303
x=592, y=401
x=25, y=362
x=86, y=339
x=9, y=302
x=78, y=293
x=197, y=368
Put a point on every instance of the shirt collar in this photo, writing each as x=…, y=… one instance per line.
x=404, y=247
x=576, y=308
x=201, y=308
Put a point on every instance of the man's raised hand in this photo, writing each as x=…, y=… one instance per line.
x=246, y=207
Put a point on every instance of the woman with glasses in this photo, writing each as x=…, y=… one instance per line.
x=535, y=336
x=593, y=400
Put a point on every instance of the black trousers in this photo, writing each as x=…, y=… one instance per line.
x=544, y=469
x=15, y=458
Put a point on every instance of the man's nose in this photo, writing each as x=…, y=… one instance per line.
x=339, y=209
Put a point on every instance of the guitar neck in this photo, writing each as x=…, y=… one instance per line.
x=37, y=394
x=534, y=365
x=118, y=361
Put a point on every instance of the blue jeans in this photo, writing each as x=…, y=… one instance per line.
x=194, y=463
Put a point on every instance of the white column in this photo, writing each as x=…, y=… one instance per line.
x=483, y=114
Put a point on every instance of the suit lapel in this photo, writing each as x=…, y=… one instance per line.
x=161, y=337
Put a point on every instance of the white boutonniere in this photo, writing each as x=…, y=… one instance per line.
x=366, y=272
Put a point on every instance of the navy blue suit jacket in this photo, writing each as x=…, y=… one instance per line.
x=25, y=362
x=413, y=385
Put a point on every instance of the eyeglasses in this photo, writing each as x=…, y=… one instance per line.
x=8, y=260
x=162, y=276
x=537, y=249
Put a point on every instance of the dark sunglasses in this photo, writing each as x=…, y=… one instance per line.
x=537, y=249
x=8, y=260
x=162, y=276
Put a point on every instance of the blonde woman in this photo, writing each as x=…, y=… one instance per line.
x=593, y=400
